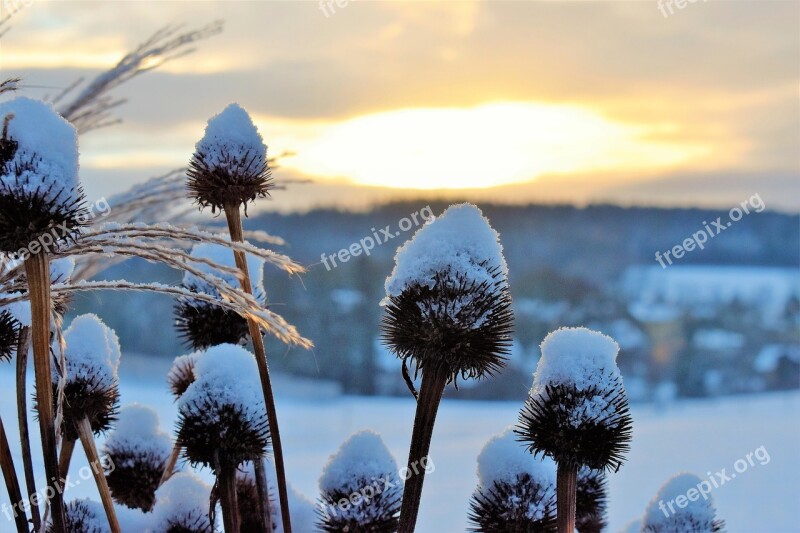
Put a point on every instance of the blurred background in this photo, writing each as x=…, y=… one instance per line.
x=593, y=135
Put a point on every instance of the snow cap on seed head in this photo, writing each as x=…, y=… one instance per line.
x=182, y=504
x=699, y=516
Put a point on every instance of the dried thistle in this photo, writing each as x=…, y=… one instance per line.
x=591, y=500
x=577, y=411
x=82, y=516
x=9, y=334
x=182, y=506
x=448, y=313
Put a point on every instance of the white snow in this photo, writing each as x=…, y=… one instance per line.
x=183, y=499
x=133, y=520
x=40, y=131
x=503, y=459
x=137, y=431
x=229, y=375
x=223, y=256
x=460, y=239
x=361, y=457
x=576, y=356
x=231, y=137
x=92, y=351
x=701, y=511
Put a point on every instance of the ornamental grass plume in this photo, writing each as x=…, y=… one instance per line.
x=697, y=515
x=203, y=324
x=448, y=315
x=41, y=207
x=91, y=397
x=139, y=451
x=360, y=489
x=228, y=170
x=516, y=491
x=221, y=420
x=577, y=411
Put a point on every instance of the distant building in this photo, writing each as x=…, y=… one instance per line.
x=768, y=290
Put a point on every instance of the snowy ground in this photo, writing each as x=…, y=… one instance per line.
x=698, y=436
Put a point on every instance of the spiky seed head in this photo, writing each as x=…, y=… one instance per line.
x=139, y=451
x=590, y=501
x=202, y=324
x=92, y=389
x=182, y=506
x=448, y=304
x=577, y=410
x=9, y=333
x=39, y=189
x=516, y=491
x=181, y=374
x=698, y=516
x=229, y=165
x=84, y=516
x=362, y=466
x=221, y=415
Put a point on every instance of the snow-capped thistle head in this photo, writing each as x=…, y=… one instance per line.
x=84, y=516
x=229, y=165
x=181, y=374
x=9, y=332
x=221, y=415
x=92, y=389
x=516, y=491
x=577, y=410
x=699, y=516
x=182, y=505
x=39, y=189
x=203, y=324
x=139, y=451
x=448, y=305
x=363, y=466
x=590, y=501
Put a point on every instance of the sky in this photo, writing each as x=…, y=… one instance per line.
x=631, y=102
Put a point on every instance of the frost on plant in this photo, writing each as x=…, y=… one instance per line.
x=516, y=491
x=139, y=451
x=360, y=489
x=697, y=516
x=182, y=504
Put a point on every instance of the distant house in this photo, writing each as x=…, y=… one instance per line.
x=768, y=290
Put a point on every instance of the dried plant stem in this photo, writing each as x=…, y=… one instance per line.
x=23, y=343
x=87, y=441
x=262, y=489
x=37, y=269
x=234, y=218
x=430, y=394
x=566, y=490
x=226, y=484
x=65, y=456
x=169, y=468
x=12, y=483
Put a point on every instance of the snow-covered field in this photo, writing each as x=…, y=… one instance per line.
x=699, y=436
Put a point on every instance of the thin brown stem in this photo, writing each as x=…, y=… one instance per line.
x=37, y=269
x=12, y=483
x=169, y=468
x=87, y=441
x=226, y=483
x=23, y=343
x=430, y=394
x=566, y=489
x=65, y=456
x=262, y=489
x=234, y=219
